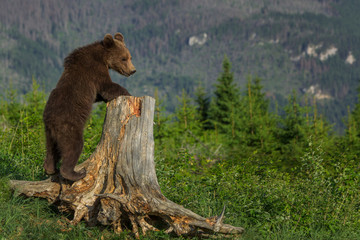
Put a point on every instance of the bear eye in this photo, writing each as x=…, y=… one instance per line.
x=124, y=59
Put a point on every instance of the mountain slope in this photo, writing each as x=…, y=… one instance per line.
x=290, y=44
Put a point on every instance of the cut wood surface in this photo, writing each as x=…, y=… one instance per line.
x=121, y=187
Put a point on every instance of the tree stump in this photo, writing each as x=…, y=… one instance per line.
x=121, y=187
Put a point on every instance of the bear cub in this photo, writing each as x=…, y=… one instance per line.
x=85, y=80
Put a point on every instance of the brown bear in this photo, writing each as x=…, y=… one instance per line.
x=85, y=80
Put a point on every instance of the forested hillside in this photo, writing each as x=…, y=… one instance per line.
x=310, y=46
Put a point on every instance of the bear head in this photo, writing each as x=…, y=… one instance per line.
x=118, y=56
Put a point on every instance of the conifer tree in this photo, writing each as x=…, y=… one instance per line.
x=294, y=124
x=293, y=132
x=257, y=124
x=225, y=104
x=353, y=123
x=352, y=136
x=185, y=114
x=203, y=105
x=320, y=129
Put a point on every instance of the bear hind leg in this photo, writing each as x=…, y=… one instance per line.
x=52, y=155
x=71, y=151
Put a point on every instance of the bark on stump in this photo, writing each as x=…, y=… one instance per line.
x=121, y=187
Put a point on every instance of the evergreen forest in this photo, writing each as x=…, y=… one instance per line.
x=282, y=174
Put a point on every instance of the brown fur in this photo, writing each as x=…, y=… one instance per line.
x=84, y=81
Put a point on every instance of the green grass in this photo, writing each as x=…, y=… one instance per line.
x=270, y=206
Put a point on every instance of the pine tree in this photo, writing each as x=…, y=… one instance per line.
x=293, y=132
x=257, y=124
x=203, y=105
x=353, y=123
x=294, y=125
x=225, y=104
x=352, y=136
x=185, y=114
x=321, y=130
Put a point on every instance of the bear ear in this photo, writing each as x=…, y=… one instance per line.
x=119, y=37
x=108, y=40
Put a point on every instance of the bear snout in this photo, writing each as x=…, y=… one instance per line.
x=132, y=72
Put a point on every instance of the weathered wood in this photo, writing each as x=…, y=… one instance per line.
x=121, y=184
